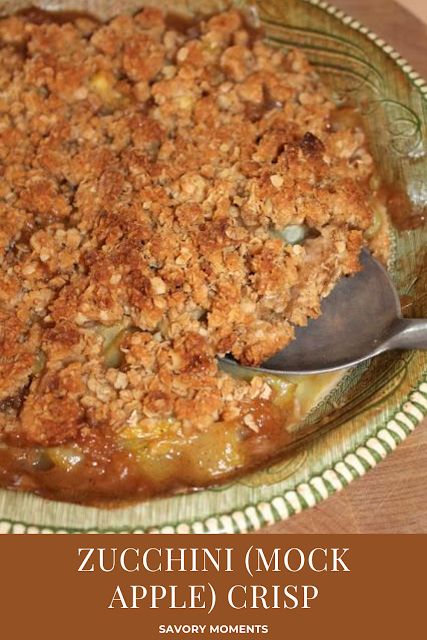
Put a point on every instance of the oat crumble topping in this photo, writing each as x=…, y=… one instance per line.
x=145, y=175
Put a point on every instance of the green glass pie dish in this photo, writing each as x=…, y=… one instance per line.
x=376, y=405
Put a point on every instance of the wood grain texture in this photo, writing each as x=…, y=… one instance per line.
x=392, y=498
x=417, y=7
x=395, y=24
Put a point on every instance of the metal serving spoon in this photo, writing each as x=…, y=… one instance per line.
x=360, y=319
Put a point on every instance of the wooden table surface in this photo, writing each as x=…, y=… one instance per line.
x=392, y=498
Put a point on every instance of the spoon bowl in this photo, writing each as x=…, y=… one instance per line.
x=361, y=318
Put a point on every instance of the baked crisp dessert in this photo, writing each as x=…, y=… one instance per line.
x=167, y=195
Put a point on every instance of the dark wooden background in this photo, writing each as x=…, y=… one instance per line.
x=392, y=498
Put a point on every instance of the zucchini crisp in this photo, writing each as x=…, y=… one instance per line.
x=170, y=192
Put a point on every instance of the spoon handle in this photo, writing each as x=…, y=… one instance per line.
x=409, y=334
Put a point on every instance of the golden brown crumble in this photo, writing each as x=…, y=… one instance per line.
x=143, y=175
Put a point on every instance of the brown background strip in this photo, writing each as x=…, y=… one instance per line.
x=44, y=597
